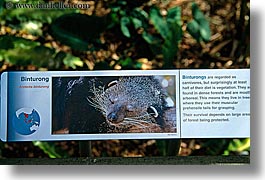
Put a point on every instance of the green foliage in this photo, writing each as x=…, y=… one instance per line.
x=23, y=52
x=2, y=3
x=199, y=27
x=127, y=15
x=154, y=42
x=169, y=28
x=168, y=33
x=238, y=146
x=225, y=146
x=30, y=20
x=125, y=22
x=79, y=30
x=32, y=27
x=50, y=149
x=72, y=61
x=215, y=146
x=128, y=63
x=159, y=22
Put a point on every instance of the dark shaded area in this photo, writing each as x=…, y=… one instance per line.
x=190, y=160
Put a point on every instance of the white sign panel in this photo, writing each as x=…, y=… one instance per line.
x=93, y=105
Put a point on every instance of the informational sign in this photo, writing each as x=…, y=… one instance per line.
x=99, y=105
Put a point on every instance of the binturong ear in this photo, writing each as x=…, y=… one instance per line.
x=152, y=110
x=157, y=114
x=112, y=83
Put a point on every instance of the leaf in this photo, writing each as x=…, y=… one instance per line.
x=32, y=27
x=128, y=62
x=24, y=57
x=194, y=29
x=196, y=12
x=139, y=18
x=113, y=19
x=50, y=149
x=153, y=41
x=174, y=15
x=170, y=49
x=201, y=30
x=78, y=30
x=140, y=13
x=174, y=24
x=245, y=145
x=69, y=39
x=122, y=2
x=159, y=22
x=10, y=42
x=237, y=145
x=170, y=30
x=23, y=52
x=67, y=59
x=72, y=61
x=2, y=3
x=6, y=42
x=125, y=22
x=137, y=23
x=20, y=51
x=205, y=30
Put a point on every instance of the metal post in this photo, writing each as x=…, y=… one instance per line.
x=173, y=147
x=85, y=149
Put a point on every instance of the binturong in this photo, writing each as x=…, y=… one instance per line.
x=133, y=103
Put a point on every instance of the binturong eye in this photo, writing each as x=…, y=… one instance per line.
x=111, y=101
x=129, y=108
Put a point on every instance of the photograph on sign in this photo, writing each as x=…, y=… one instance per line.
x=124, y=104
x=95, y=105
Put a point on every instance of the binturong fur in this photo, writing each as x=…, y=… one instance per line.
x=72, y=114
x=134, y=104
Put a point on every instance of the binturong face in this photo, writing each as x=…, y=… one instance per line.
x=121, y=105
x=130, y=100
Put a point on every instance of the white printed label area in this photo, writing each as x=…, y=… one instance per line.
x=215, y=103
